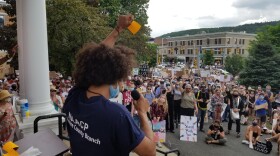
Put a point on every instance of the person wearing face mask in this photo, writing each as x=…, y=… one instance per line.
x=95, y=124
x=188, y=104
x=170, y=102
x=261, y=106
x=216, y=134
x=177, y=103
x=202, y=99
x=251, y=101
x=160, y=88
x=269, y=98
x=237, y=106
x=252, y=134
x=149, y=95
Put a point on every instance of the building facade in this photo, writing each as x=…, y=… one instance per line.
x=193, y=47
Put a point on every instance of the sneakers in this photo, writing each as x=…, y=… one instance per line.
x=245, y=142
x=251, y=145
x=238, y=135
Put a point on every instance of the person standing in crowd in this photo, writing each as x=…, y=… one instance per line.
x=56, y=99
x=268, y=96
x=216, y=134
x=237, y=107
x=252, y=134
x=251, y=102
x=7, y=118
x=261, y=107
x=177, y=103
x=159, y=89
x=227, y=100
x=149, y=95
x=203, y=99
x=170, y=101
x=188, y=104
x=216, y=102
x=109, y=126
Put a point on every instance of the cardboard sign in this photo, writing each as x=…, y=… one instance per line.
x=204, y=73
x=262, y=106
x=159, y=131
x=188, y=128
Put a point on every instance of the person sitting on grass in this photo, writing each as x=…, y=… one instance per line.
x=252, y=134
x=216, y=134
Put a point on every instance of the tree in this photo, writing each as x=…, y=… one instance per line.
x=234, y=64
x=8, y=33
x=208, y=58
x=271, y=33
x=71, y=24
x=263, y=64
x=113, y=8
x=152, y=57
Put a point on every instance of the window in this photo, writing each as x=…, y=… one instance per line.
x=191, y=51
x=170, y=44
x=197, y=42
x=175, y=43
x=228, y=51
x=228, y=41
x=235, y=41
x=216, y=41
x=184, y=43
x=243, y=52
x=234, y=51
x=189, y=42
x=243, y=41
x=1, y=21
x=200, y=42
x=169, y=51
x=220, y=41
x=208, y=41
x=240, y=41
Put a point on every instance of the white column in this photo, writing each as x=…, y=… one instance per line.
x=20, y=48
x=35, y=61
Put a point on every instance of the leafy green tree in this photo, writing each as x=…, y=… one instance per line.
x=263, y=64
x=113, y=8
x=8, y=34
x=71, y=24
x=152, y=57
x=208, y=58
x=271, y=33
x=234, y=64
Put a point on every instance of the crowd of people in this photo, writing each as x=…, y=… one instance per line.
x=208, y=99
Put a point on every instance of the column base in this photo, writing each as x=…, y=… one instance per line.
x=27, y=124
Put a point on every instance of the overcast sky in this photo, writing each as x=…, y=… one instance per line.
x=173, y=15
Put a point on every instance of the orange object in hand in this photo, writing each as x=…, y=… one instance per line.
x=134, y=27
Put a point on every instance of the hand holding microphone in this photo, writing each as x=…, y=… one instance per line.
x=142, y=105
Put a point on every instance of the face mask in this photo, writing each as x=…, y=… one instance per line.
x=234, y=95
x=114, y=91
x=255, y=123
x=261, y=97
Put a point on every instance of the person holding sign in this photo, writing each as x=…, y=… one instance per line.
x=96, y=125
x=261, y=106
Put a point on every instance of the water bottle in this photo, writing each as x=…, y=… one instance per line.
x=24, y=108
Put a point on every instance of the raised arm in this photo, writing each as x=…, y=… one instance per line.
x=123, y=22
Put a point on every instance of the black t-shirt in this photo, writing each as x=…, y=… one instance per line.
x=97, y=126
x=213, y=128
x=204, y=96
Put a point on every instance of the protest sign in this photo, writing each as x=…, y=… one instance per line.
x=135, y=71
x=144, y=70
x=204, y=73
x=188, y=128
x=159, y=131
x=127, y=99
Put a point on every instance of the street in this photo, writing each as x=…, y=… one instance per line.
x=233, y=147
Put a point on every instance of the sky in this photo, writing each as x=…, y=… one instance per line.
x=167, y=16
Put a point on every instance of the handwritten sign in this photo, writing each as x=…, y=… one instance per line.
x=159, y=131
x=188, y=128
x=144, y=70
x=127, y=99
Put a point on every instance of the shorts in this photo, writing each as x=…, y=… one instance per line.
x=262, y=118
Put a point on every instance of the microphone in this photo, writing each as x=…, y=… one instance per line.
x=136, y=96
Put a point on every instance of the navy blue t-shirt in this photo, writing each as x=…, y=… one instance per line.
x=97, y=126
